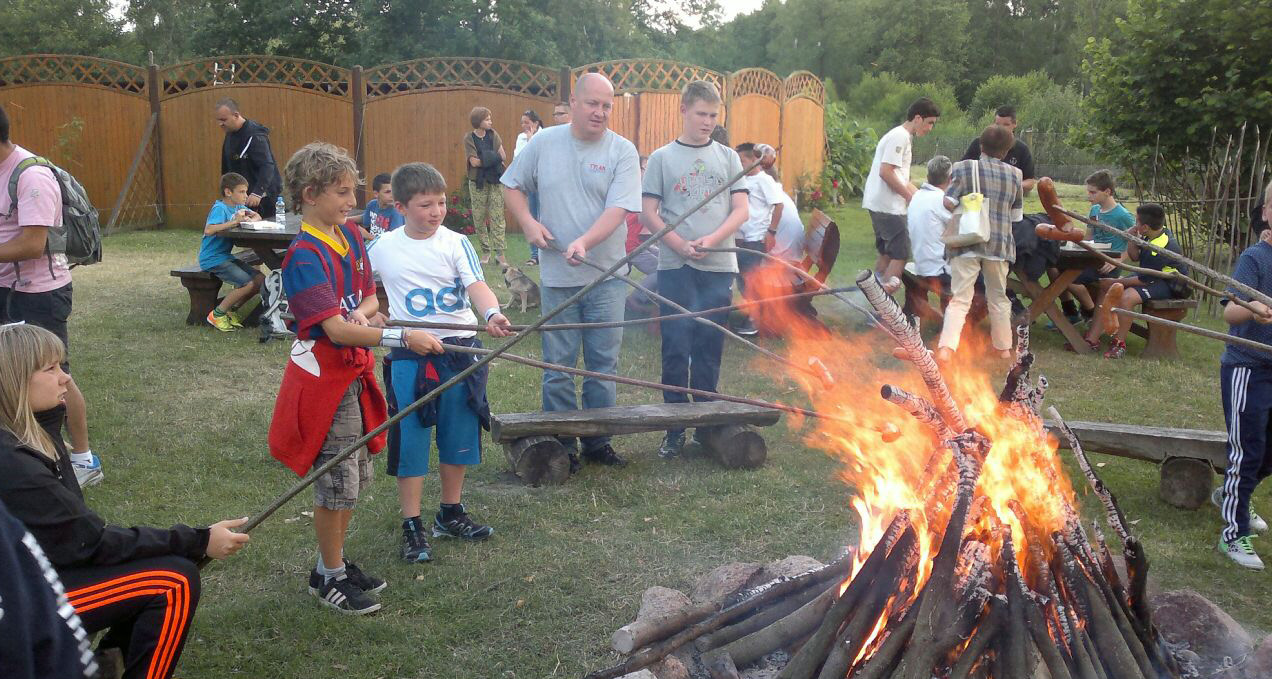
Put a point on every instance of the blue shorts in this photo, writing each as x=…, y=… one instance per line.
x=234, y=272
x=1155, y=289
x=458, y=427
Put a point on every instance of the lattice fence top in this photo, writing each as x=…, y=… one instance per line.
x=256, y=70
x=72, y=70
x=805, y=84
x=641, y=75
x=441, y=73
x=755, y=81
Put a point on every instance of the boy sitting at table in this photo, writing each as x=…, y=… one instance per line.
x=381, y=215
x=1102, y=194
x=215, y=256
x=1150, y=224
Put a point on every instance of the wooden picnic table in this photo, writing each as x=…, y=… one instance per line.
x=1071, y=263
x=269, y=245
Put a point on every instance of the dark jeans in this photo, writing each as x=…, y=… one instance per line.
x=49, y=310
x=747, y=262
x=691, y=350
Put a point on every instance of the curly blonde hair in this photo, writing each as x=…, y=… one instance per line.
x=317, y=165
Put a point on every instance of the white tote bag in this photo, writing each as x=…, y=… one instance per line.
x=972, y=220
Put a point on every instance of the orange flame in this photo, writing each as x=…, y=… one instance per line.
x=885, y=451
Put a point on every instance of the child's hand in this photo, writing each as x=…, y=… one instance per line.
x=422, y=342
x=251, y=215
x=356, y=317
x=223, y=541
x=1263, y=315
x=379, y=320
x=499, y=326
x=692, y=248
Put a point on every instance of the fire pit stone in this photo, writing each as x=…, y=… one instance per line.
x=660, y=602
x=724, y=581
x=789, y=567
x=1186, y=617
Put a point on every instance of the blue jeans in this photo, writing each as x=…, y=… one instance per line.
x=533, y=198
x=691, y=350
x=604, y=303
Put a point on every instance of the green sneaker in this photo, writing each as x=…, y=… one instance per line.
x=235, y=319
x=221, y=323
x=1242, y=552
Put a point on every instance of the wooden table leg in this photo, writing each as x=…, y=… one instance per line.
x=269, y=257
x=1044, y=302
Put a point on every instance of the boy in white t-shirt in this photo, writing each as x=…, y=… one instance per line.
x=430, y=273
x=764, y=212
x=888, y=190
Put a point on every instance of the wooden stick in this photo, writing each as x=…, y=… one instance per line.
x=756, y=622
x=1201, y=332
x=1196, y=266
x=430, y=325
x=921, y=408
x=631, y=381
x=798, y=624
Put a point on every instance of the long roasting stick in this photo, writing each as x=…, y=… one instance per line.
x=1195, y=266
x=477, y=365
x=428, y=325
x=1203, y=332
x=632, y=381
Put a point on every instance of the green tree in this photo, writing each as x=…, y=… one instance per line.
x=58, y=27
x=1176, y=70
x=164, y=28
x=322, y=30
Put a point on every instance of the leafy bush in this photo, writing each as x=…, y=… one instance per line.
x=849, y=152
x=881, y=100
x=459, y=216
x=1041, y=103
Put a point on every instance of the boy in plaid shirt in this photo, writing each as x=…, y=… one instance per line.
x=1004, y=203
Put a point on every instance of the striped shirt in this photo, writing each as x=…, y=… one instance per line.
x=1000, y=183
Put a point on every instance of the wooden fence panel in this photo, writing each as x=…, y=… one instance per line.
x=625, y=118
x=192, y=140
x=430, y=127
x=803, y=142
x=100, y=153
x=755, y=118
x=659, y=120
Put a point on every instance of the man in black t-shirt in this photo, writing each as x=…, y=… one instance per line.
x=1019, y=155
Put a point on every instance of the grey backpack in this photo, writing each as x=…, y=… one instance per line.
x=79, y=237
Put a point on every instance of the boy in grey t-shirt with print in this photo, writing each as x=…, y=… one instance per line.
x=680, y=175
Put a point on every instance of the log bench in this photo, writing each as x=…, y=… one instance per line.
x=205, y=288
x=1161, y=338
x=1188, y=458
x=536, y=455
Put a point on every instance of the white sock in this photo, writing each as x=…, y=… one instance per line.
x=85, y=457
x=330, y=573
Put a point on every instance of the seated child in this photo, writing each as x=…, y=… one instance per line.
x=1102, y=193
x=1137, y=289
x=430, y=274
x=926, y=221
x=215, y=257
x=329, y=397
x=381, y=215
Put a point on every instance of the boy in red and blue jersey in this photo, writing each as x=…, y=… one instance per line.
x=329, y=397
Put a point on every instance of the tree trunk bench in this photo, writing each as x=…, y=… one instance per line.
x=1187, y=458
x=1161, y=338
x=205, y=288
x=534, y=453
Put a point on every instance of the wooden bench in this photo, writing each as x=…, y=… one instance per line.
x=530, y=439
x=1188, y=457
x=205, y=287
x=1161, y=338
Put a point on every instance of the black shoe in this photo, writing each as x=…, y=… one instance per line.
x=673, y=444
x=460, y=525
x=605, y=455
x=745, y=328
x=415, y=547
x=343, y=595
x=367, y=583
x=575, y=464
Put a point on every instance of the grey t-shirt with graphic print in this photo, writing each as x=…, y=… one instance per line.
x=577, y=181
x=680, y=176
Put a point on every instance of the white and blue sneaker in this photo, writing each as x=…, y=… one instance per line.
x=1257, y=524
x=88, y=473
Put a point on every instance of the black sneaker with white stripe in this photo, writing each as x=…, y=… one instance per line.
x=343, y=595
x=365, y=582
x=460, y=525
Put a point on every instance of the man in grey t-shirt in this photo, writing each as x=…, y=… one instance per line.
x=588, y=179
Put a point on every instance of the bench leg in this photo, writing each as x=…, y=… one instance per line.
x=203, y=298
x=1186, y=482
x=1161, y=338
x=538, y=460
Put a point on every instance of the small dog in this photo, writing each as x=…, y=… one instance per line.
x=520, y=286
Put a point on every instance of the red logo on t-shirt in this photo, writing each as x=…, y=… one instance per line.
x=596, y=167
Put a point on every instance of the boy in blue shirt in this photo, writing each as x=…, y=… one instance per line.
x=1245, y=376
x=215, y=256
x=381, y=215
x=430, y=273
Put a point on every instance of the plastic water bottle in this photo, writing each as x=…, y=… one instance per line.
x=280, y=211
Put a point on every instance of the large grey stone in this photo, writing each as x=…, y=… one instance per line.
x=659, y=602
x=639, y=674
x=789, y=567
x=1259, y=666
x=671, y=668
x=1186, y=617
x=725, y=581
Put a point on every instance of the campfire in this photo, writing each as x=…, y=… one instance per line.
x=972, y=559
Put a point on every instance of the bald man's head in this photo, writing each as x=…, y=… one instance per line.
x=590, y=105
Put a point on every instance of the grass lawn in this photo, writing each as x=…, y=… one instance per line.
x=180, y=414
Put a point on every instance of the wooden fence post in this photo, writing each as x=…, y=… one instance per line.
x=359, y=104
x=563, y=88
x=154, y=88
